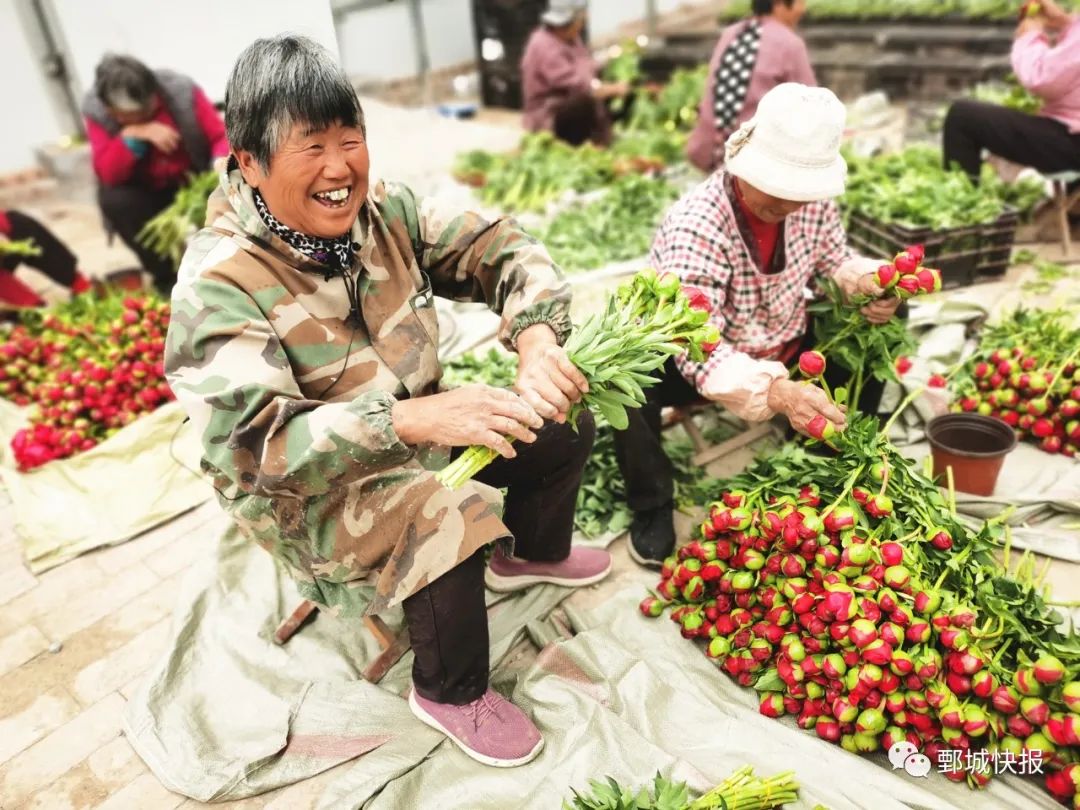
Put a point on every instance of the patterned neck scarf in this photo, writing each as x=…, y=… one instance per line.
x=336, y=253
x=733, y=75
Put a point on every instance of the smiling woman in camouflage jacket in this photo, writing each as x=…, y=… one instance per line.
x=303, y=344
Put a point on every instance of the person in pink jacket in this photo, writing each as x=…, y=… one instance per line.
x=561, y=91
x=1046, y=60
x=148, y=130
x=751, y=58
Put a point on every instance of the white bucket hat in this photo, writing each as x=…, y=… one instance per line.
x=562, y=12
x=791, y=147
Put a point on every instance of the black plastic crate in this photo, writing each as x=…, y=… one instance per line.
x=964, y=255
x=510, y=22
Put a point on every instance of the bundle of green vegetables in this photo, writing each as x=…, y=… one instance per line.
x=621, y=351
x=674, y=108
x=616, y=227
x=167, y=233
x=913, y=190
x=740, y=791
x=539, y=172
x=601, y=504
x=897, y=9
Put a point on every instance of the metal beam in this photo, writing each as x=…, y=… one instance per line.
x=423, y=58
x=650, y=18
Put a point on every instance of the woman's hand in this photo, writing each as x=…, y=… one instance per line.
x=801, y=402
x=546, y=378
x=1029, y=24
x=163, y=137
x=472, y=414
x=1050, y=16
x=881, y=309
x=606, y=90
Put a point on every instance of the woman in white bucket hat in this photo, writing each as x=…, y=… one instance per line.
x=559, y=84
x=751, y=238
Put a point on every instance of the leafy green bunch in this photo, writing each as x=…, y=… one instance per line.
x=601, y=503
x=616, y=227
x=620, y=352
x=167, y=233
x=740, y=791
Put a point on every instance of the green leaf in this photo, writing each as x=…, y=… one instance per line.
x=769, y=681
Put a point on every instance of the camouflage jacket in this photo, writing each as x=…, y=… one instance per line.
x=292, y=399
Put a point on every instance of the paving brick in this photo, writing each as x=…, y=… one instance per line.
x=15, y=578
x=85, y=607
x=144, y=793
x=75, y=790
x=116, y=764
x=53, y=589
x=19, y=647
x=47, y=760
x=111, y=672
x=47, y=712
x=22, y=685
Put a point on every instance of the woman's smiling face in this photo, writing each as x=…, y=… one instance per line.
x=317, y=180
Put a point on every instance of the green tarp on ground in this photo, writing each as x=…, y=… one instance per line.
x=227, y=714
x=138, y=479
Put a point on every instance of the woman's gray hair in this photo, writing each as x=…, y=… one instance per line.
x=280, y=82
x=124, y=83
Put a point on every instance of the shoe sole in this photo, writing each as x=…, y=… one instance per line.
x=501, y=584
x=648, y=562
x=428, y=720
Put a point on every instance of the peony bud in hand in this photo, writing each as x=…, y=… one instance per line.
x=812, y=364
x=906, y=263
x=886, y=276
x=821, y=428
x=908, y=286
x=697, y=299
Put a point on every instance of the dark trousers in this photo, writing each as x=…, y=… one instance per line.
x=448, y=619
x=1030, y=140
x=56, y=260
x=127, y=209
x=647, y=471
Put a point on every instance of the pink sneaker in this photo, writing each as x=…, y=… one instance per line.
x=584, y=566
x=491, y=729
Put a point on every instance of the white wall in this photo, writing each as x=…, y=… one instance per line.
x=200, y=38
x=377, y=43
x=29, y=118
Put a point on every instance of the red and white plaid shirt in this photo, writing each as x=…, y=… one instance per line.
x=702, y=241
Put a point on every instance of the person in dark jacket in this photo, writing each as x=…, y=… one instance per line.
x=147, y=130
x=47, y=255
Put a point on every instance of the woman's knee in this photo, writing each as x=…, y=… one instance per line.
x=966, y=115
x=570, y=445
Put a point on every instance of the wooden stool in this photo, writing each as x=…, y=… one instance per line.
x=1063, y=201
x=392, y=646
